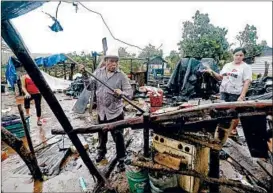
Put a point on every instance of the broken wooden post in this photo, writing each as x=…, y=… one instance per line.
x=30, y=146
x=146, y=135
x=131, y=71
x=221, y=133
x=18, y=145
x=55, y=71
x=266, y=65
x=72, y=67
x=201, y=165
x=13, y=39
x=64, y=65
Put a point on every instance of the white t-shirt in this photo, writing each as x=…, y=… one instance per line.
x=234, y=77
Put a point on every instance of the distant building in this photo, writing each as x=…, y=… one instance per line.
x=258, y=67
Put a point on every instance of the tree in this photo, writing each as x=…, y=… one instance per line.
x=124, y=64
x=248, y=40
x=172, y=59
x=83, y=58
x=150, y=51
x=201, y=39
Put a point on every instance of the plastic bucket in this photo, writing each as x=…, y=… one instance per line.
x=138, y=181
x=155, y=189
x=155, y=100
x=160, y=184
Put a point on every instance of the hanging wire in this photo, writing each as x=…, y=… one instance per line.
x=109, y=28
x=58, y=9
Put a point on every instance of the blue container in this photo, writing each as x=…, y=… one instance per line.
x=15, y=126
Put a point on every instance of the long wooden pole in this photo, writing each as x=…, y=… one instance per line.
x=106, y=85
x=15, y=42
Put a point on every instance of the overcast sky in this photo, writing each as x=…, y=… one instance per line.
x=137, y=23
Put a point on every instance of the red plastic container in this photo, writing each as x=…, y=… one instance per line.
x=156, y=101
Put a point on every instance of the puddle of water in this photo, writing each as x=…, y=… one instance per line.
x=42, y=136
x=11, y=151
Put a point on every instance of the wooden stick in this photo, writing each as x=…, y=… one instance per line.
x=106, y=85
x=18, y=145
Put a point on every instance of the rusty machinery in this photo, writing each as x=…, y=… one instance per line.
x=187, y=141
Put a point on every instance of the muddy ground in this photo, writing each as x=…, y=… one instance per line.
x=68, y=179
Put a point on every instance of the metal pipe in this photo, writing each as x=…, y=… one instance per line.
x=15, y=42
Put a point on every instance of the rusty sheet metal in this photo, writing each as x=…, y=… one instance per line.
x=180, y=149
x=167, y=160
x=173, y=147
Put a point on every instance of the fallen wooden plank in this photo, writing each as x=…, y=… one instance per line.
x=266, y=167
x=242, y=156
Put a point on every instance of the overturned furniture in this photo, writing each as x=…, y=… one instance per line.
x=187, y=141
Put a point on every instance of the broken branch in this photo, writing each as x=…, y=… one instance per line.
x=18, y=145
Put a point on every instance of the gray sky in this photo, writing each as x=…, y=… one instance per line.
x=138, y=23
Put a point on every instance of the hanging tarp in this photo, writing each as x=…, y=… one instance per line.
x=56, y=83
x=11, y=75
x=47, y=62
x=187, y=78
x=13, y=9
x=50, y=60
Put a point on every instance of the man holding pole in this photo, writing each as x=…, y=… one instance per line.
x=109, y=104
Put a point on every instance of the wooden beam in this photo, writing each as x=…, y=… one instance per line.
x=18, y=145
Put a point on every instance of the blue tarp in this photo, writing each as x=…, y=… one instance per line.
x=11, y=75
x=47, y=62
x=13, y=9
x=50, y=60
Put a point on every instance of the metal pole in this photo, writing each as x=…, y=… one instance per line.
x=15, y=42
x=147, y=73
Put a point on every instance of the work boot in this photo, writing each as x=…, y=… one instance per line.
x=100, y=157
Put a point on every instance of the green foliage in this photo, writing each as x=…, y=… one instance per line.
x=125, y=65
x=83, y=58
x=150, y=51
x=201, y=39
x=172, y=59
x=248, y=39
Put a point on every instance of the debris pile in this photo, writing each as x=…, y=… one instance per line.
x=76, y=87
x=261, y=89
x=188, y=81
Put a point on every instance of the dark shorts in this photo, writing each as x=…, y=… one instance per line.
x=229, y=97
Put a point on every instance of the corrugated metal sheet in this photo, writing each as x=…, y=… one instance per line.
x=259, y=65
